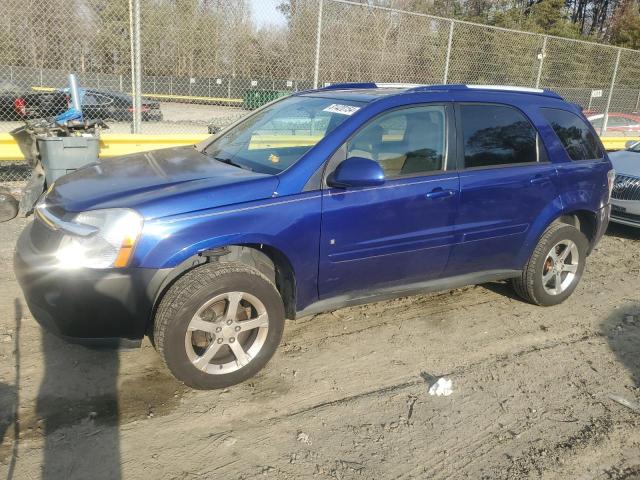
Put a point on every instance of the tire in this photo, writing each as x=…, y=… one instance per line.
x=185, y=342
x=539, y=280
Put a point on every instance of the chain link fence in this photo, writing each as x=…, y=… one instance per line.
x=204, y=63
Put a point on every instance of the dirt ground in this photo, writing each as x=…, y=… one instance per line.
x=347, y=396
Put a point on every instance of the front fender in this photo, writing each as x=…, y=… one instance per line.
x=289, y=224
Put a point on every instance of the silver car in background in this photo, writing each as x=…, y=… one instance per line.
x=625, y=198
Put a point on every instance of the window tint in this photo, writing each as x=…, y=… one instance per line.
x=404, y=142
x=577, y=138
x=497, y=135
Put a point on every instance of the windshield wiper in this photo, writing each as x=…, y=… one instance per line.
x=228, y=161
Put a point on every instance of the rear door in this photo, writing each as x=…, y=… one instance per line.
x=506, y=182
x=400, y=232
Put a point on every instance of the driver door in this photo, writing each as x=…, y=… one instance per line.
x=402, y=231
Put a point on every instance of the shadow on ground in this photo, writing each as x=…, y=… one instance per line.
x=9, y=397
x=623, y=231
x=77, y=410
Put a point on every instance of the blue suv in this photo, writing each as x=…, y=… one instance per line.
x=333, y=197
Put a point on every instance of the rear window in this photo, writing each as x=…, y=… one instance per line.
x=496, y=135
x=578, y=139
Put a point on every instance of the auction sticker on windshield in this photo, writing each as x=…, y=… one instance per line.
x=341, y=109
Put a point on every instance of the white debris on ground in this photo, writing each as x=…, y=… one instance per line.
x=304, y=438
x=442, y=388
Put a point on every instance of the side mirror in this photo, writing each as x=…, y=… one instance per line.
x=357, y=172
x=630, y=143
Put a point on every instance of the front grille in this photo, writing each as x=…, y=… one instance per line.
x=626, y=187
x=626, y=216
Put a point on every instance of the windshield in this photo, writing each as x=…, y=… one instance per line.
x=277, y=136
x=635, y=147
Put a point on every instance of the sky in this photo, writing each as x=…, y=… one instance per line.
x=264, y=13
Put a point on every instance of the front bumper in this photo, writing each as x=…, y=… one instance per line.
x=626, y=212
x=110, y=307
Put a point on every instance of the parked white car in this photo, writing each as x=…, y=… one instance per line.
x=626, y=189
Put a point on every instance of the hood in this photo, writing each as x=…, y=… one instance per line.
x=626, y=162
x=146, y=181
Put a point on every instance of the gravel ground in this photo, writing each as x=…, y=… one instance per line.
x=346, y=396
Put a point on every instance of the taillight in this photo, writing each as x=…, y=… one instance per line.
x=20, y=107
x=145, y=108
x=611, y=178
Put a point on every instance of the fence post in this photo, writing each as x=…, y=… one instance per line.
x=543, y=53
x=137, y=67
x=445, y=77
x=120, y=78
x=316, y=67
x=613, y=81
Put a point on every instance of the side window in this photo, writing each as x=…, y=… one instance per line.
x=618, y=121
x=408, y=141
x=595, y=120
x=577, y=138
x=89, y=99
x=497, y=135
x=102, y=100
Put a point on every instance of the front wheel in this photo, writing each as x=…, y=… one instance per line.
x=218, y=325
x=555, y=266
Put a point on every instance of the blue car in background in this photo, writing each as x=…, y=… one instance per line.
x=115, y=106
x=327, y=198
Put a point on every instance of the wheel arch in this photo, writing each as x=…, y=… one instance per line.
x=583, y=219
x=268, y=260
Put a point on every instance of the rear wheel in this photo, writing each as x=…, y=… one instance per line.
x=219, y=325
x=555, y=266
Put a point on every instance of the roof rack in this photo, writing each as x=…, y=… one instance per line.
x=348, y=85
x=358, y=85
x=410, y=87
x=500, y=88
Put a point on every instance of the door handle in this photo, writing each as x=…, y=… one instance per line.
x=440, y=193
x=538, y=180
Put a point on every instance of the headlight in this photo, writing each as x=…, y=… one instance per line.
x=110, y=246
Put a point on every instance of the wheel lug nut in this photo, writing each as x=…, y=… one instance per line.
x=229, y=322
x=231, y=340
x=220, y=340
x=218, y=330
x=237, y=329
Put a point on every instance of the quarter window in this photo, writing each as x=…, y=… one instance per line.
x=408, y=141
x=578, y=139
x=497, y=135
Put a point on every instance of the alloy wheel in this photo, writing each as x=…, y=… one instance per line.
x=226, y=333
x=560, y=267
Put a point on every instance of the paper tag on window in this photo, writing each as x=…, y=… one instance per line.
x=341, y=109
